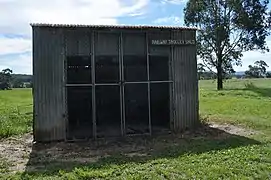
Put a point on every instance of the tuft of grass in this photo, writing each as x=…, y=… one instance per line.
x=4, y=165
x=15, y=112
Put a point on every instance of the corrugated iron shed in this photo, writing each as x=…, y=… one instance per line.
x=52, y=43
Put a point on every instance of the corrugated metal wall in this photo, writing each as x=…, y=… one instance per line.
x=48, y=84
x=52, y=45
x=185, y=82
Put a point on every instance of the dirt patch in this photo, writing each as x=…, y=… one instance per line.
x=24, y=155
x=232, y=129
x=16, y=151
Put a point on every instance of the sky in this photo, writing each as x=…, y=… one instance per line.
x=16, y=16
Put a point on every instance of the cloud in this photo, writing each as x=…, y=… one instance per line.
x=251, y=56
x=169, y=20
x=176, y=2
x=19, y=63
x=14, y=45
x=16, y=16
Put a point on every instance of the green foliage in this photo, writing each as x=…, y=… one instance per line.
x=3, y=165
x=228, y=28
x=9, y=80
x=5, y=79
x=206, y=75
x=22, y=77
x=258, y=70
x=17, y=83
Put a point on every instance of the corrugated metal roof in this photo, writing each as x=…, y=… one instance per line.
x=113, y=26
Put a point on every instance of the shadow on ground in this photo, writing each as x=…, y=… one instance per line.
x=50, y=158
x=264, y=92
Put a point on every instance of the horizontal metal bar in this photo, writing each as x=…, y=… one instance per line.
x=108, y=84
x=159, y=54
x=139, y=82
x=77, y=85
x=146, y=82
x=117, y=84
x=138, y=134
x=153, y=82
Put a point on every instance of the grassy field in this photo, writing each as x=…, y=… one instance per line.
x=15, y=112
x=204, y=154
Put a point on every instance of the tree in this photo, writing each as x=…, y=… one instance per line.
x=258, y=70
x=268, y=74
x=17, y=83
x=262, y=67
x=5, y=79
x=201, y=70
x=227, y=29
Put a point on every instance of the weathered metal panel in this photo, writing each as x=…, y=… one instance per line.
x=134, y=43
x=133, y=27
x=48, y=84
x=185, y=82
x=106, y=43
x=78, y=42
x=158, y=35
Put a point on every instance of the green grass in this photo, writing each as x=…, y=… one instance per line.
x=245, y=102
x=209, y=155
x=15, y=112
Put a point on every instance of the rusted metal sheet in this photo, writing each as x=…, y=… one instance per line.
x=48, y=87
x=185, y=82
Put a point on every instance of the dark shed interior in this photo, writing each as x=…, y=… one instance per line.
x=118, y=89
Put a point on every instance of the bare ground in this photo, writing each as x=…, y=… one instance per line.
x=24, y=155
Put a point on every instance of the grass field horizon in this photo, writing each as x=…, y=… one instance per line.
x=244, y=103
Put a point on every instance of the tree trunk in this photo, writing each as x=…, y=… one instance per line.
x=219, y=74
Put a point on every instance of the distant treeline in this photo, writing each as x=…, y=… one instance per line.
x=8, y=80
x=211, y=75
x=257, y=70
x=21, y=81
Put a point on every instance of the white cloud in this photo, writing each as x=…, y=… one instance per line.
x=19, y=64
x=14, y=45
x=169, y=20
x=16, y=16
x=176, y=2
x=250, y=57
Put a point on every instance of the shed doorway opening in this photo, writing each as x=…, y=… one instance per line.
x=160, y=92
x=107, y=96
x=79, y=97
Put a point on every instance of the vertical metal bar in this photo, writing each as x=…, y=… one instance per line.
x=173, y=98
x=171, y=106
x=120, y=83
x=93, y=85
x=148, y=76
x=122, y=86
x=64, y=84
